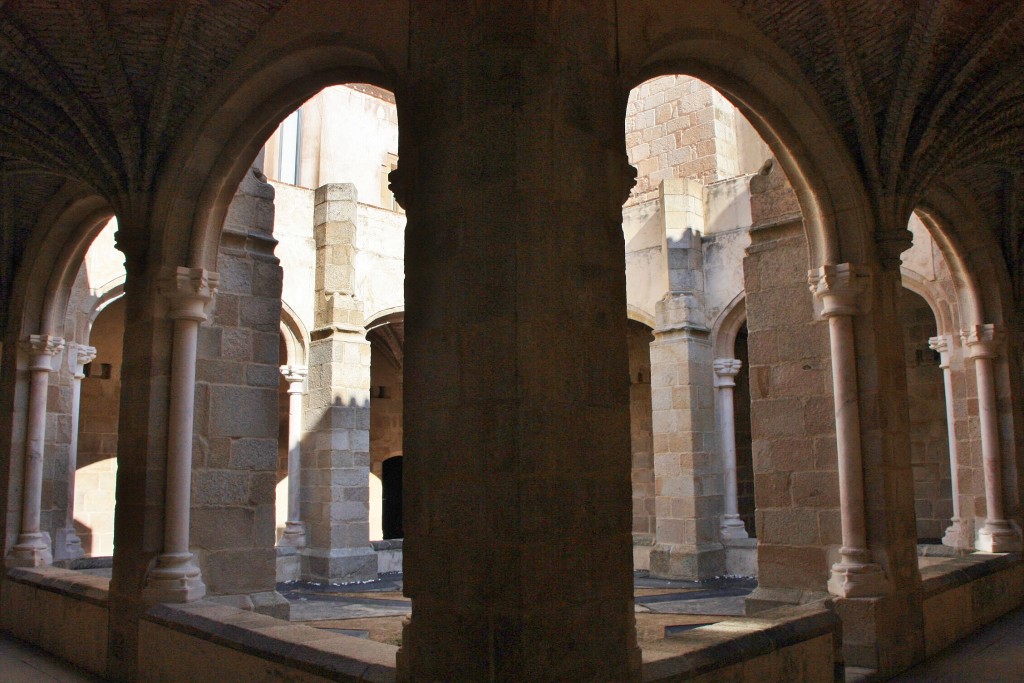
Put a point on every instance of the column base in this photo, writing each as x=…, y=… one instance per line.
x=998, y=537
x=769, y=598
x=687, y=562
x=68, y=545
x=856, y=580
x=733, y=527
x=294, y=535
x=174, y=579
x=339, y=565
x=32, y=550
x=271, y=603
x=956, y=536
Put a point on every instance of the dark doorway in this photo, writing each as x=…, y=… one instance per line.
x=392, y=498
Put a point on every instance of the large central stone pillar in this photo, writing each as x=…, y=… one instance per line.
x=516, y=422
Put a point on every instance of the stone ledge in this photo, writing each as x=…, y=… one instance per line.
x=85, y=587
x=294, y=646
x=732, y=642
x=961, y=571
x=390, y=544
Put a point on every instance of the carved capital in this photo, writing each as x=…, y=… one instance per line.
x=891, y=245
x=80, y=355
x=628, y=180
x=726, y=370
x=295, y=375
x=982, y=341
x=42, y=348
x=189, y=291
x=397, y=183
x=839, y=288
x=944, y=345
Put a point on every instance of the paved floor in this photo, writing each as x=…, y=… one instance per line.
x=24, y=663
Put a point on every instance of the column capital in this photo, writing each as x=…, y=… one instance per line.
x=840, y=288
x=891, y=245
x=295, y=375
x=982, y=341
x=80, y=355
x=726, y=370
x=398, y=185
x=944, y=345
x=42, y=348
x=189, y=291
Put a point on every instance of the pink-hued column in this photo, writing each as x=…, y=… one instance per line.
x=175, y=578
x=69, y=545
x=954, y=536
x=838, y=288
x=983, y=344
x=726, y=370
x=294, y=531
x=33, y=546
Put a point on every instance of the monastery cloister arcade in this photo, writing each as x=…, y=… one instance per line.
x=518, y=320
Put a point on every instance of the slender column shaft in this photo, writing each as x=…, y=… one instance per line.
x=954, y=534
x=32, y=548
x=294, y=533
x=70, y=546
x=983, y=343
x=175, y=578
x=851, y=478
x=179, y=441
x=726, y=370
x=989, y=438
x=855, y=575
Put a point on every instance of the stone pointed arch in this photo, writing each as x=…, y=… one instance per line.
x=957, y=225
x=268, y=82
x=728, y=325
x=295, y=335
x=715, y=44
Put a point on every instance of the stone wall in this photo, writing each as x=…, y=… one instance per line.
x=385, y=422
x=744, y=450
x=680, y=127
x=639, y=347
x=97, y=435
x=792, y=415
x=54, y=499
x=929, y=440
x=235, y=456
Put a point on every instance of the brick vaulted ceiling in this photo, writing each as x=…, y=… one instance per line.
x=920, y=90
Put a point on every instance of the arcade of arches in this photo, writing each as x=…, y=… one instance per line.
x=485, y=294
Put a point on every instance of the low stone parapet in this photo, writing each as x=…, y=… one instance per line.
x=61, y=611
x=784, y=644
x=965, y=593
x=204, y=641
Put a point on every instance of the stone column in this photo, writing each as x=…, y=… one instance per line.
x=294, y=531
x=175, y=577
x=726, y=370
x=517, y=497
x=855, y=575
x=687, y=475
x=33, y=546
x=954, y=536
x=69, y=546
x=983, y=344
x=336, y=477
